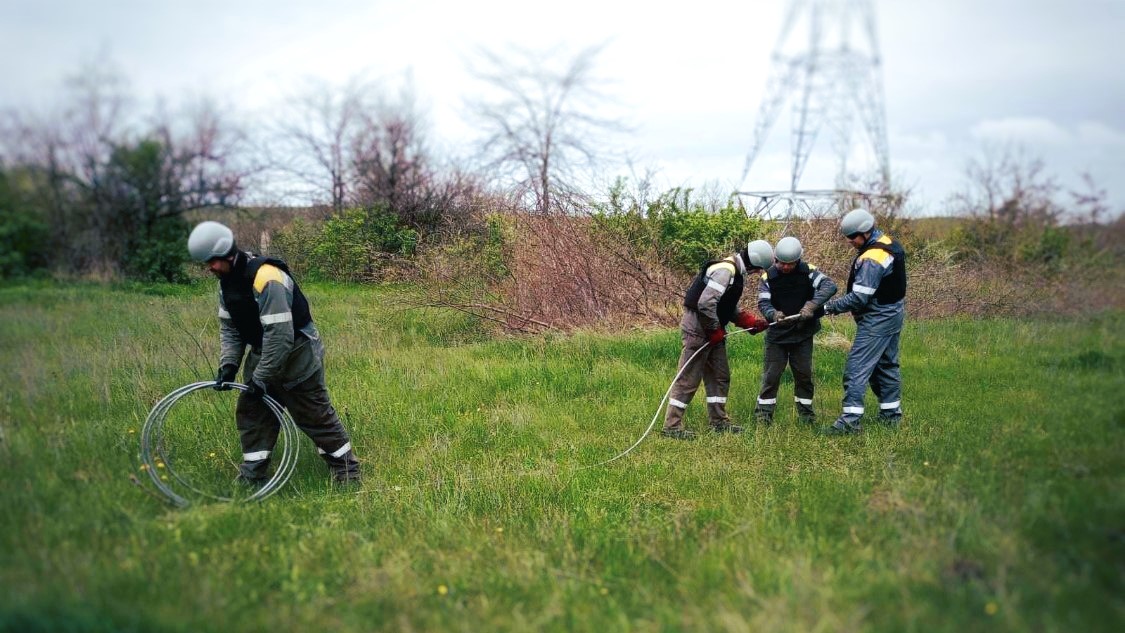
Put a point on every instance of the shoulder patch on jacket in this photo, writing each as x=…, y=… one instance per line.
x=811, y=268
x=729, y=266
x=877, y=255
x=268, y=273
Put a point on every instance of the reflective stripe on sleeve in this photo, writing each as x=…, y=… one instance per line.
x=803, y=400
x=890, y=405
x=767, y=400
x=256, y=456
x=858, y=410
x=863, y=290
x=270, y=319
x=716, y=399
x=816, y=279
x=711, y=283
x=672, y=402
x=765, y=295
x=223, y=314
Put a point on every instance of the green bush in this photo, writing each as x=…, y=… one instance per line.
x=159, y=256
x=680, y=229
x=295, y=243
x=23, y=234
x=349, y=246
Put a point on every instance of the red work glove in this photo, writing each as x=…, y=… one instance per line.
x=750, y=322
x=716, y=337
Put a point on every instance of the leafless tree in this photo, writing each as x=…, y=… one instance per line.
x=541, y=123
x=313, y=136
x=391, y=164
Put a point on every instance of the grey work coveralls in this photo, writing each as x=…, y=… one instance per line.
x=711, y=365
x=874, y=357
x=291, y=369
x=790, y=344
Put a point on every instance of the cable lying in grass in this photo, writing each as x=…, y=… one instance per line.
x=667, y=392
x=152, y=434
x=616, y=457
x=153, y=447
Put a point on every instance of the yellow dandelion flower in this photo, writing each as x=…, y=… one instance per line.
x=442, y=590
x=144, y=466
x=991, y=608
x=212, y=454
x=132, y=431
x=160, y=464
x=926, y=463
x=164, y=478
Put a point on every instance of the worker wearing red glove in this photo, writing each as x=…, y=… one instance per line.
x=710, y=303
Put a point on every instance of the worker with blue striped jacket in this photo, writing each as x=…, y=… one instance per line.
x=876, y=297
x=262, y=308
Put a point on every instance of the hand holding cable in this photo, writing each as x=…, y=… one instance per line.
x=751, y=323
x=717, y=336
x=226, y=375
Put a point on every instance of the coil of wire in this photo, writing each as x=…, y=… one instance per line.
x=154, y=449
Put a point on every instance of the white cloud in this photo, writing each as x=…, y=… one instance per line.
x=1032, y=131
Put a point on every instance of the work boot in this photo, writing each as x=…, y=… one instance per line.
x=809, y=420
x=890, y=421
x=726, y=427
x=765, y=419
x=348, y=479
x=678, y=434
x=841, y=428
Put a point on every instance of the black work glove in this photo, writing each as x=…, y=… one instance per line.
x=227, y=374
x=255, y=391
x=808, y=311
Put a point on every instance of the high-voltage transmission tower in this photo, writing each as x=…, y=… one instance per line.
x=832, y=78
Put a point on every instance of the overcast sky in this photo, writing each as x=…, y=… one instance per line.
x=959, y=75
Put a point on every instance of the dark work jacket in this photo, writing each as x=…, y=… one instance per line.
x=727, y=309
x=790, y=292
x=893, y=287
x=238, y=296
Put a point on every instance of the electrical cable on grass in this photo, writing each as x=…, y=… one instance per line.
x=623, y=453
x=153, y=447
x=660, y=407
x=288, y=461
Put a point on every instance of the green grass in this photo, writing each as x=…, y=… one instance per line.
x=997, y=507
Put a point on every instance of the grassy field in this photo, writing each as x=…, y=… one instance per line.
x=998, y=506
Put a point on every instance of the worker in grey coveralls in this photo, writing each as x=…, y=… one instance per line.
x=261, y=307
x=709, y=304
x=875, y=296
x=791, y=287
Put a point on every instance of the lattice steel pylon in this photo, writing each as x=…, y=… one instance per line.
x=831, y=80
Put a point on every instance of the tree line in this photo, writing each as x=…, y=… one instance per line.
x=93, y=186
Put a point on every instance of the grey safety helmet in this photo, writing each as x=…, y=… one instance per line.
x=788, y=250
x=856, y=221
x=209, y=240
x=760, y=254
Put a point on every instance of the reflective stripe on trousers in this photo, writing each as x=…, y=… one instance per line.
x=872, y=360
